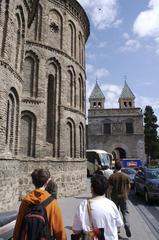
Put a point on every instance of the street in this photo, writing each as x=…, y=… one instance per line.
x=149, y=212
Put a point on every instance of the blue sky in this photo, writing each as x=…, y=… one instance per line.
x=124, y=40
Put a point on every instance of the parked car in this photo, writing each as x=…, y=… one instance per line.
x=147, y=183
x=131, y=174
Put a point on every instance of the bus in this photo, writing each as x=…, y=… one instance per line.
x=97, y=159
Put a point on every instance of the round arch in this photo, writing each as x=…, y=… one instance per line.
x=119, y=153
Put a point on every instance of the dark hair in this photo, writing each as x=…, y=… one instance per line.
x=40, y=177
x=52, y=188
x=105, y=167
x=98, y=172
x=117, y=165
x=99, y=184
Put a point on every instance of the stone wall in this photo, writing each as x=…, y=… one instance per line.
x=118, y=138
x=15, y=180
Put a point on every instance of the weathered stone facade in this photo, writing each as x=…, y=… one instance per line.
x=119, y=131
x=42, y=95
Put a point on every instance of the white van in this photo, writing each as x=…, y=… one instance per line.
x=97, y=159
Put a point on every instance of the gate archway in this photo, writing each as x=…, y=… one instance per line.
x=119, y=153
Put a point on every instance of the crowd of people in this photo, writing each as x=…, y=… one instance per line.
x=97, y=217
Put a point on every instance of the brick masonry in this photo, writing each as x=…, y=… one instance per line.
x=42, y=95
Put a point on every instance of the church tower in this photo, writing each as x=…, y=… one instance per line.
x=127, y=98
x=97, y=98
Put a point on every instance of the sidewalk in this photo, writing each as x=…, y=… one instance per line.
x=139, y=229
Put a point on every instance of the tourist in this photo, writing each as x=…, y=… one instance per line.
x=119, y=186
x=40, y=178
x=105, y=214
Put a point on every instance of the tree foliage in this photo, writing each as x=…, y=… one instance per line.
x=150, y=131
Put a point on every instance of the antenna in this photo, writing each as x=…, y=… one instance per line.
x=125, y=78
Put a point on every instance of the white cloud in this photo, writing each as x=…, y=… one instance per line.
x=102, y=44
x=101, y=72
x=126, y=35
x=157, y=51
x=144, y=101
x=89, y=68
x=147, y=22
x=112, y=93
x=131, y=45
x=103, y=13
x=96, y=72
x=117, y=23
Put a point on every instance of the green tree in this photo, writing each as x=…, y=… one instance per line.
x=150, y=131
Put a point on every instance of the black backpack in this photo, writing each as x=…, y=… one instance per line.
x=35, y=224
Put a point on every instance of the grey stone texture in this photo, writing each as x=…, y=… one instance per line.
x=118, y=138
x=42, y=95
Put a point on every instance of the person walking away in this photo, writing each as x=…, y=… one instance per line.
x=107, y=172
x=40, y=178
x=118, y=190
x=105, y=214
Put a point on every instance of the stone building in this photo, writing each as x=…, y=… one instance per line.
x=118, y=130
x=42, y=95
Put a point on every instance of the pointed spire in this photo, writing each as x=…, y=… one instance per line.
x=96, y=92
x=126, y=99
x=126, y=92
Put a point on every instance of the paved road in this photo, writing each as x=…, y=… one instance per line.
x=149, y=212
x=140, y=229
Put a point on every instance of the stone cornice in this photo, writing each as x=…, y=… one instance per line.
x=40, y=45
x=75, y=9
x=72, y=110
x=7, y=66
x=32, y=101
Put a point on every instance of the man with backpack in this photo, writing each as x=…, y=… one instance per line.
x=39, y=216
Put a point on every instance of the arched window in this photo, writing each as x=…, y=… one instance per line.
x=81, y=49
x=72, y=34
x=51, y=109
x=37, y=24
x=70, y=89
x=81, y=140
x=28, y=134
x=4, y=17
x=71, y=136
x=12, y=123
x=81, y=94
x=31, y=70
x=53, y=126
x=56, y=29
x=20, y=38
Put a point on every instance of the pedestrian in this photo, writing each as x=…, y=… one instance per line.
x=118, y=190
x=40, y=178
x=104, y=213
x=52, y=188
x=107, y=172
